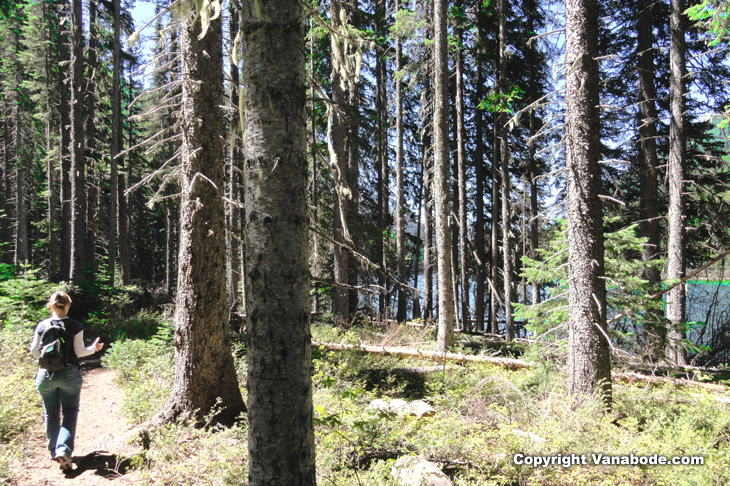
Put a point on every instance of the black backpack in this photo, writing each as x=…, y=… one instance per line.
x=54, y=351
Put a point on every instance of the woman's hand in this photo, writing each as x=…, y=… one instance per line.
x=97, y=345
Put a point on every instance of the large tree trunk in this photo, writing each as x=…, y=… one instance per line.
x=648, y=162
x=341, y=305
x=589, y=361
x=52, y=198
x=281, y=431
x=204, y=371
x=509, y=325
x=675, y=308
x=116, y=143
x=64, y=58
x=441, y=179
x=90, y=102
x=352, y=148
x=649, y=203
x=20, y=255
x=532, y=164
x=78, y=142
x=382, y=137
x=400, y=179
x=461, y=179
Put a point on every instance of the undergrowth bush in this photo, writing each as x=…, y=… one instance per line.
x=186, y=454
x=145, y=372
x=20, y=404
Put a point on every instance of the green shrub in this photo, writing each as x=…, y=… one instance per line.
x=20, y=404
x=145, y=371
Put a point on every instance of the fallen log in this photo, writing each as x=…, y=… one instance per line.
x=403, y=352
x=517, y=364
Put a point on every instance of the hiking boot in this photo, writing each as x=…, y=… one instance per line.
x=64, y=461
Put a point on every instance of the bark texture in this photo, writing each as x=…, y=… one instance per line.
x=281, y=432
x=77, y=141
x=204, y=370
x=589, y=361
x=400, y=180
x=675, y=308
x=509, y=325
x=441, y=179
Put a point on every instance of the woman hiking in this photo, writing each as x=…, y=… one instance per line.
x=61, y=389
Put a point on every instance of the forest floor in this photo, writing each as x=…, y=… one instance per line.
x=100, y=447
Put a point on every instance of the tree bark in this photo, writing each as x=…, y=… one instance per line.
x=495, y=210
x=507, y=271
x=78, y=142
x=90, y=134
x=52, y=199
x=648, y=186
x=204, y=370
x=441, y=179
x=428, y=243
x=281, y=431
x=235, y=179
x=116, y=143
x=400, y=178
x=675, y=307
x=479, y=241
x=64, y=58
x=589, y=361
x=461, y=178
x=341, y=303
x=382, y=137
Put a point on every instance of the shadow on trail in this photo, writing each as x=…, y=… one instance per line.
x=105, y=464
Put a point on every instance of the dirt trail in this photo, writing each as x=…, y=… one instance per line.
x=99, y=445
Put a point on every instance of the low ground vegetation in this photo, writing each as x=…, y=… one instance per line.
x=485, y=415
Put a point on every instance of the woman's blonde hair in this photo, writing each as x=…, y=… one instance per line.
x=59, y=300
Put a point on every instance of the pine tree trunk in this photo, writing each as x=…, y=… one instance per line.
x=649, y=209
x=507, y=271
x=339, y=134
x=7, y=185
x=20, y=255
x=204, y=371
x=427, y=176
x=428, y=243
x=124, y=253
x=64, y=58
x=382, y=136
x=281, y=431
x=400, y=179
x=235, y=179
x=78, y=142
x=589, y=361
x=441, y=179
x=90, y=101
x=675, y=307
x=315, y=173
x=169, y=247
x=461, y=179
x=479, y=241
x=496, y=210
x=116, y=144
x=353, y=171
